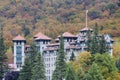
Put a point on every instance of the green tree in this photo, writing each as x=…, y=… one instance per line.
x=96, y=43
x=25, y=29
x=94, y=73
x=25, y=73
x=103, y=47
x=32, y=53
x=118, y=64
x=107, y=65
x=82, y=64
x=60, y=70
x=70, y=73
x=38, y=71
x=3, y=56
x=72, y=57
x=93, y=45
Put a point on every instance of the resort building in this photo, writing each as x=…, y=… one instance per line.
x=72, y=44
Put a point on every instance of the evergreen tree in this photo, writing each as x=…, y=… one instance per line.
x=25, y=73
x=97, y=43
x=60, y=70
x=88, y=41
x=3, y=57
x=38, y=71
x=94, y=73
x=72, y=57
x=70, y=73
x=118, y=64
x=95, y=40
x=32, y=53
x=103, y=47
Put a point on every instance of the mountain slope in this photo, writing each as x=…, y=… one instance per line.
x=27, y=17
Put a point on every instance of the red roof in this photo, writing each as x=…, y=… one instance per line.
x=67, y=34
x=41, y=36
x=19, y=37
x=86, y=29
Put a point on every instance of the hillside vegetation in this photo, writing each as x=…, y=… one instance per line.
x=52, y=17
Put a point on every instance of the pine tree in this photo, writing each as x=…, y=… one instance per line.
x=103, y=47
x=25, y=73
x=72, y=57
x=94, y=73
x=118, y=64
x=60, y=70
x=95, y=40
x=70, y=73
x=27, y=68
x=3, y=57
x=97, y=43
x=88, y=41
x=38, y=71
x=32, y=53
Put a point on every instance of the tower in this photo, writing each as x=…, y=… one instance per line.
x=19, y=55
x=41, y=41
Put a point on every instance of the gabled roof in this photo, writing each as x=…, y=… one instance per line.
x=41, y=36
x=19, y=38
x=86, y=29
x=67, y=34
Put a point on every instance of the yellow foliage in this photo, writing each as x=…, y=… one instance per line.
x=116, y=50
x=82, y=62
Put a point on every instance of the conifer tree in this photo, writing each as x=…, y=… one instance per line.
x=94, y=73
x=25, y=73
x=97, y=43
x=95, y=40
x=70, y=73
x=3, y=57
x=32, y=53
x=60, y=70
x=103, y=47
x=72, y=57
x=27, y=68
x=118, y=64
x=88, y=41
x=38, y=71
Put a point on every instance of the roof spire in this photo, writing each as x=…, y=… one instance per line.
x=86, y=18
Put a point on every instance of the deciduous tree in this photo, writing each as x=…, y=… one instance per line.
x=94, y=73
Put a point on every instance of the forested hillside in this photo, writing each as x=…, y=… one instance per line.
x=27, y=17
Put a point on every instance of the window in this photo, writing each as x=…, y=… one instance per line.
x=18, y=50
x=19, y=59
x=43, y=42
